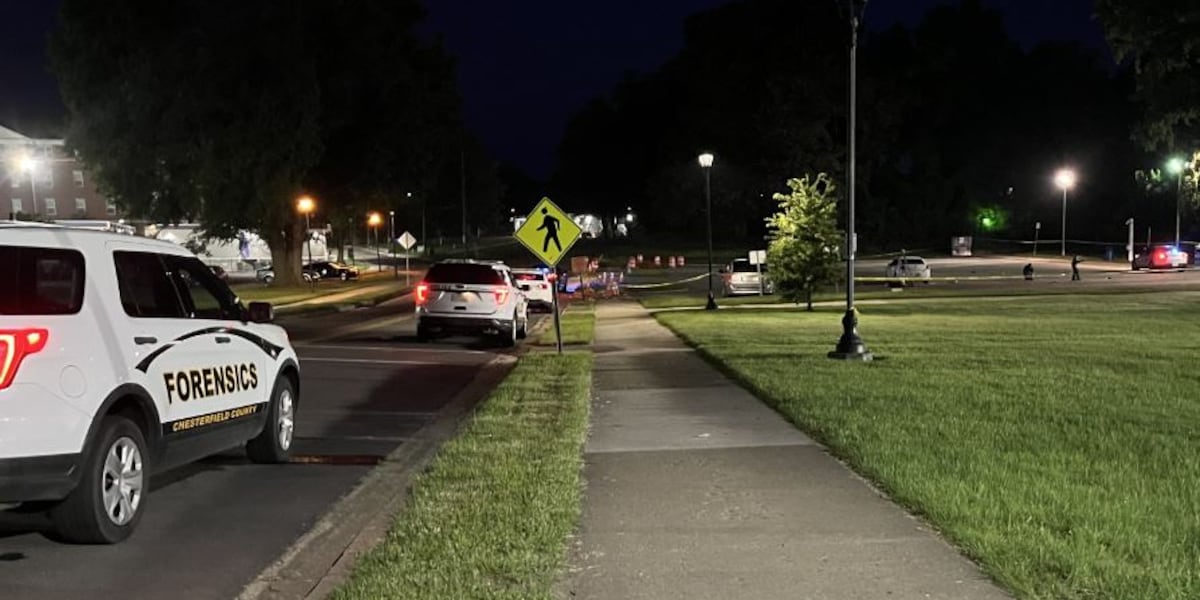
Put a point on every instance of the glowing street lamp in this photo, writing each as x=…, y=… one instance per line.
x=706, y=163
x=30, y=166
x=1175, y=167
x=305, y=205
x=374, y=220
x=1065, y=180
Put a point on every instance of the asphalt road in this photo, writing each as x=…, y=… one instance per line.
x=211, y=527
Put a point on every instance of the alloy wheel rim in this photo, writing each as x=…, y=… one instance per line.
x=287, y=422
x=122, y=481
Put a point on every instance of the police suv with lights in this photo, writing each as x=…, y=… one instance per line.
x=121, y=357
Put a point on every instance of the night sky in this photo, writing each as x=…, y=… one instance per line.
x=527, y=65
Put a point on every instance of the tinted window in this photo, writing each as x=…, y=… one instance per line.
x=40, y=281
x=464, y=273
x=204, y=296
x=914, y=262
x=528, y=276
x=146, y=289
x=744, y=266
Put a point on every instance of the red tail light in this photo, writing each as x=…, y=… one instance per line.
x=15, y=345
x=501, y=295
x=422, y=293
x=1161, y=256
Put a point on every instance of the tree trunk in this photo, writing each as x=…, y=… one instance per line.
x=808, y=293
x=287, y=253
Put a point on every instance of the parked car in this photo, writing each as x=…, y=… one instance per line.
x=741, y=277
x=1164, y=256
x=471, y=298
x=265, y=274
x=909, y=267
x=185, y=371
x=538, y=287
x=324, y=269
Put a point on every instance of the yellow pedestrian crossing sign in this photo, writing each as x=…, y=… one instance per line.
x=548, y=232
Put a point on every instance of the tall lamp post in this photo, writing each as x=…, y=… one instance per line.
x=1175, y=167
x=706, y=163
x=30, y=166
x=305, y=205
x=392, y=243
x=374, y=220
x=850, y=346
x=1065, y=180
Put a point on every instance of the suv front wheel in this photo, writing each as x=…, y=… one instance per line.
x=111, y=496
x=274, y=444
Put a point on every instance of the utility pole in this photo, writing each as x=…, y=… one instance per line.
x=462, y=170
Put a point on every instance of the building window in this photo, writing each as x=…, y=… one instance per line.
x=17, y=207
x=78, y=177
x=51, y=207
x=110, y=207
x=81, y=205
x=48, y=179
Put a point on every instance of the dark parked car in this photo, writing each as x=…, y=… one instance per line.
x=331, y=270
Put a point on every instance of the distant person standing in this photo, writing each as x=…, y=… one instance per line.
x=1075, y=260
x=1028, y=271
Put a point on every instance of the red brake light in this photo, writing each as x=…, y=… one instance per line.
x=501, y=294
x=422, y=293
x=1161, y=255
x=15, y=345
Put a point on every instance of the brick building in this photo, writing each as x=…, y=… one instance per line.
x=41, y=179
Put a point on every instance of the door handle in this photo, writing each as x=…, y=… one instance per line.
x=222, y=340
x=143, y=340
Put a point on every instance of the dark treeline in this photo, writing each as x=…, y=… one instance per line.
x=956, y=122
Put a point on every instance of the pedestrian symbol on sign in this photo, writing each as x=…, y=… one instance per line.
x=550, y=224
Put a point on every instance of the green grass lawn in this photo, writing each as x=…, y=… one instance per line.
x=490, y=518
x=1054, y=439
x=578, y=326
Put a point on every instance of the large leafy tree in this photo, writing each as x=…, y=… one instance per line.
x=223, y=112
x=1160, y=38
x=804, y=238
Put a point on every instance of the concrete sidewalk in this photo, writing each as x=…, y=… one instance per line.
x=697, y=490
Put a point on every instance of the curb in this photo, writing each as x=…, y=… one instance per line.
x=324, y=557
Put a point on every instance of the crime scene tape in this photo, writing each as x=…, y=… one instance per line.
x=648, y=286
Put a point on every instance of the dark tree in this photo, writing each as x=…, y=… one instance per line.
x=225, y=112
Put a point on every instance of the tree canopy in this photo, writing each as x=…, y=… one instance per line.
x=224, y=112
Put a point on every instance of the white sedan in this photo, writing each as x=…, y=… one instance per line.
x=909, y=267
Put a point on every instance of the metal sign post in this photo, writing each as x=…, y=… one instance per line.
x=407, y=241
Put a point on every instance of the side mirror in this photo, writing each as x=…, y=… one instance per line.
x=261, y=312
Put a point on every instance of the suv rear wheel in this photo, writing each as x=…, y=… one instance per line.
x=109, y=501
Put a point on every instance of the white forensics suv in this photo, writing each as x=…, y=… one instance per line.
x=121, y=357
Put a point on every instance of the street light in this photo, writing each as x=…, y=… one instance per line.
x=850, y=346
x=374, y=220
x=706, y=163
x=1175, y=167
x=30, y=165
x=392, y=243
x=1065, y=180
x=305, y=205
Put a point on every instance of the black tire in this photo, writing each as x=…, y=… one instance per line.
x=523, y=332
x=423, y=334
x=274, y=444
x=83, y=517
x=508, y=339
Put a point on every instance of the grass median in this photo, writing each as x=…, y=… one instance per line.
x=1054, y=439
x=578, y=325
x=490, y=518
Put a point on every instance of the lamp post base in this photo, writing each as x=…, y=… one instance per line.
x=712, y=303
x=851, y=346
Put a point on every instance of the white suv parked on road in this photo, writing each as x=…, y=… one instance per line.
x=121, y=357
x=472, y=298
